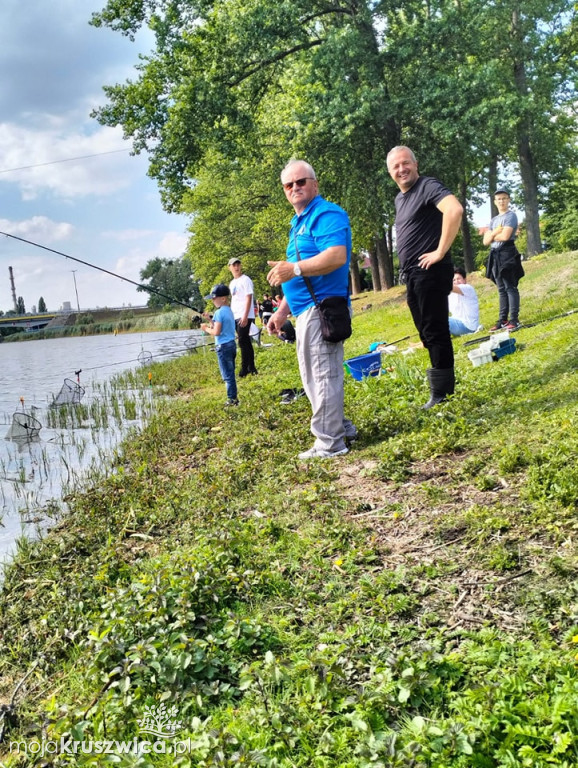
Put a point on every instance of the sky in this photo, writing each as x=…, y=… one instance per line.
x=103, y=210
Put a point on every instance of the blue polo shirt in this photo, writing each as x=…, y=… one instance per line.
x=224, y=315
x=321, y=225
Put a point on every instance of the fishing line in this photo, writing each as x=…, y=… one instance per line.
x=136, y=360
x=64, y=160
x=149, y=341
x=102, y=269
x=524, y=325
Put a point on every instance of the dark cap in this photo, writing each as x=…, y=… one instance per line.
x=218, y=290
x=235, y=260
x=502, y=191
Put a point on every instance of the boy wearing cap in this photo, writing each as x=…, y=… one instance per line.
x=222, y=328
x=242, y=304
x=504, y=265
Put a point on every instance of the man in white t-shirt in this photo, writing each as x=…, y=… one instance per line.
x=241, y=287
x=463, y=304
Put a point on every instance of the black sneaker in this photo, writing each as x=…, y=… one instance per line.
x=290, y=395
x=231, y=402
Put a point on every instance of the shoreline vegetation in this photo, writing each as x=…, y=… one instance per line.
x=100, y=322
x=413, y=603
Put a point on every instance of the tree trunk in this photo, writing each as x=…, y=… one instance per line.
x=493, y=184
x=374, y=266
x=469, y=262
x=385, y=262
x=355, y=276
x=527, y=169
x=389, y=240
x=534, y=242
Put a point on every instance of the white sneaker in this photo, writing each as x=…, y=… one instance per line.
x=319, y=453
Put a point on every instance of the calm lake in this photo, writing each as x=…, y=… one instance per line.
x=34, y=471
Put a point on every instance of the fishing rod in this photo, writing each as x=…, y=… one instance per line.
x=107, y=271
x=524, y=325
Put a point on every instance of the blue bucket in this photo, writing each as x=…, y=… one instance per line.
x=364, y=365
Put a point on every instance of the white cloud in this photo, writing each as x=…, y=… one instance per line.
x=38, y=228
x=102, y=175
x=172, y=245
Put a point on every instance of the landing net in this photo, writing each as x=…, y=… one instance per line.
x=192, y=342
x=23, y=427
x=145, y=357
x=70, y=393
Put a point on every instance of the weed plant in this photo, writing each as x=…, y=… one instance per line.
x=414, y=603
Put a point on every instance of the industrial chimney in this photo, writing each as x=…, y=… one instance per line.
x=13, y=289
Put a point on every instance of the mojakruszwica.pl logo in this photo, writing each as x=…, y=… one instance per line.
x=160, y=723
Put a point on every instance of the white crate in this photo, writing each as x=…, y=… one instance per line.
x=480, y=357
x=498, y=338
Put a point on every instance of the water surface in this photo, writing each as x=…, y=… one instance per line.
x=32, y=373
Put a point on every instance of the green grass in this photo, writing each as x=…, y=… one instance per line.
x=411, y=604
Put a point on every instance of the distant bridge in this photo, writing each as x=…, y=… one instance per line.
x=30, y=322
x=67, y=317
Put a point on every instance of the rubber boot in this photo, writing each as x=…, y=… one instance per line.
x=441, y=384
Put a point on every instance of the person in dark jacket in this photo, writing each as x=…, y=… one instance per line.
x=287, y=332
x=504, y=264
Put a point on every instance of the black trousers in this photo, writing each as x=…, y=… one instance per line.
x=246, y=348
x=427, y=298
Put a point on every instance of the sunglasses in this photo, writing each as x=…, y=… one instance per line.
x=299, y=183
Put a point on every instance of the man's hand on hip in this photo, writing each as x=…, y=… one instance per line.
x=427, y=259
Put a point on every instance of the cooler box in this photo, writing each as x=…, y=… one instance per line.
x=364, y=365
x=505, y=348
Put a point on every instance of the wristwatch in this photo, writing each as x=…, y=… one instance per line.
x=297, y=270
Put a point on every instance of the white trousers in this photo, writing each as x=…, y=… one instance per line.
x=321, y=369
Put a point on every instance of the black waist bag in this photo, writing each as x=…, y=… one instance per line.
x=335, y=319
x=333, y=311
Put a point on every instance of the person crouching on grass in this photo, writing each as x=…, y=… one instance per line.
x=222, y=327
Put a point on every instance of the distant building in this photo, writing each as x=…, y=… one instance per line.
x=66, y=306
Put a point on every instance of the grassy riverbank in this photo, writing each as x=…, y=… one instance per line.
x=414, y=603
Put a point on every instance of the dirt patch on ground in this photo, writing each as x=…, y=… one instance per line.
x=430, y=523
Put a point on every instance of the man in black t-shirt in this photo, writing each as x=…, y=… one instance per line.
x=427, y=220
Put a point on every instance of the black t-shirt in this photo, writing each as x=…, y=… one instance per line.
x=267, y=306
x=418, y=222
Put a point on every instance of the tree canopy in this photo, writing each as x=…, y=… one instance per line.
x=170, y=280
x=233, y=88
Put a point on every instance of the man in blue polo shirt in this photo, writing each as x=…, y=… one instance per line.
x=319, y=248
